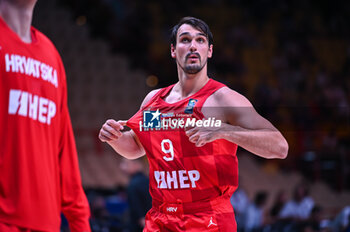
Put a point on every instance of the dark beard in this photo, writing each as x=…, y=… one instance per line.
x=192, y=69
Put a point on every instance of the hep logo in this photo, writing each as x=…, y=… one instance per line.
x=151, y=119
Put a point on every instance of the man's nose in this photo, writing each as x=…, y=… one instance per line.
x=193, y=46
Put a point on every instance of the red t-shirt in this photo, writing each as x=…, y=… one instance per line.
x=39, y=172
x=180, y=171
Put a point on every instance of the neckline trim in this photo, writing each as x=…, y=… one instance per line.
x=169, y=88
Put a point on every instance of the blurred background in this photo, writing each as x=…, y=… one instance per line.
x=291, y=59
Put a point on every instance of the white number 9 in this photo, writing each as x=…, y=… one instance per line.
x=168, y=151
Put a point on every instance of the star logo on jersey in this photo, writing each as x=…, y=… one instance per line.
x=190, y=106
x=151, y=119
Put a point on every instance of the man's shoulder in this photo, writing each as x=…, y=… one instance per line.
x=226, y=97
x=153, y=92
x=43, y=39
x=149, y=96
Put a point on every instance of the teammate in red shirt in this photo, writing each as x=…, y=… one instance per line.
x=190, y=132
x=39, y=172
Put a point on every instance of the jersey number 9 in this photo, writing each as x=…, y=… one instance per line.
x=169, y=150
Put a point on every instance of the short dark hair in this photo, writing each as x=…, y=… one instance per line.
x=194, y=22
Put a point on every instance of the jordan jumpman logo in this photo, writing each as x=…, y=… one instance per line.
x=211, y=223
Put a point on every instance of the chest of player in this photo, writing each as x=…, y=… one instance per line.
x=30, y=82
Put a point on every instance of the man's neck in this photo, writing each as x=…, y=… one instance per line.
x=18, y=18
x=191, y=83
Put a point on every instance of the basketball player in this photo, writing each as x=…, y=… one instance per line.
x=190, y=132
x=39, y=172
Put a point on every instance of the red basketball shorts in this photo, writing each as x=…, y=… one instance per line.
x=215, y=215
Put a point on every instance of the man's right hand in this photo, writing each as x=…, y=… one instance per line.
x=111, y=130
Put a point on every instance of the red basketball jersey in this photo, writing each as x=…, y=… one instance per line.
x=180, y=171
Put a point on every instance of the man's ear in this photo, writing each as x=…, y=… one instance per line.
x=210, y=51
x=173, y=51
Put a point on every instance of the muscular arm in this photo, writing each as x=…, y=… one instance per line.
x=242, y=125
x=124, y=143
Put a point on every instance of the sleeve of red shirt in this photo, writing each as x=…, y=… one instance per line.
x=75, y=206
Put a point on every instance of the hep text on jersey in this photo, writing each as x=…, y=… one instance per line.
x=176, y=179
x=32, y=106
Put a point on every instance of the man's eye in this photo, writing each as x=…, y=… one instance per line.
x=201, y=40
x=185, y=40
